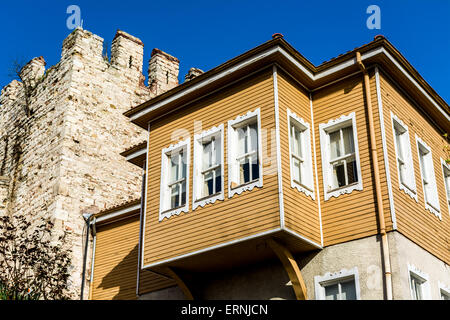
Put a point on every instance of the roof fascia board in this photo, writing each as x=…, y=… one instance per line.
x=206, y=82
x=118, y=213
x=418, y=86
x=277, y=49
x=136, y=154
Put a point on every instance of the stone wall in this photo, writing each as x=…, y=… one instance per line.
x=62, y=131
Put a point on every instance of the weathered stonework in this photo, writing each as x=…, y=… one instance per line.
x=62, y=132
x=192, y=73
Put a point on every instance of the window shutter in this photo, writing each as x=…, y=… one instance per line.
x=410, y=180
x=308, y=157
x=434, y=198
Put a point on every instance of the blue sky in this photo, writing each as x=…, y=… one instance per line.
x=204, y=34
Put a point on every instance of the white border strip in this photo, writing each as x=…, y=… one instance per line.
x=277, y=138
x=315, y=167
x=225, y=244
x=385, y=151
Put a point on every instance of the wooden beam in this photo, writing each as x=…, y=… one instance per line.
x=291, y=267
x=180, y=283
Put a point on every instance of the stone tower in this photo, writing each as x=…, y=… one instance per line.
x=62, y=131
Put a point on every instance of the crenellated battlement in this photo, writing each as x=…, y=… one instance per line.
x=62, y=130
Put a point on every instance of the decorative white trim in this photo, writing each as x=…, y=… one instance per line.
x=330, y=278
x=217, y=132
x=308, y=190
x=417, y=273
x=428, y=206
x=257, y=183
x=447, y=166
x=278, y=144
x=443, y=289
x=385, y=150
x=163, y=213
x=324, y=146
x=410, y=190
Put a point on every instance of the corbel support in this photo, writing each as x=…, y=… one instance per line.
x=181, y=284
x=291, y=267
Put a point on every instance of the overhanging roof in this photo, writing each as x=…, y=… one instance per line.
x=136, y=154
x=380, y=52
x=119, y=211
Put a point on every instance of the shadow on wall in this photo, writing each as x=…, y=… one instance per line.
x=262, y=281
x=122, y=278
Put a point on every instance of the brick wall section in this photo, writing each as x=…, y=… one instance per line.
x=62, y=158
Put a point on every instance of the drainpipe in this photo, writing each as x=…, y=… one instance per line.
x=141, y=226
x=94, y=234
x=87, y=219
x=373, y=146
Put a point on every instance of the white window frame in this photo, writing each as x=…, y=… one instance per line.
x=197, y=199
x=425, y=283
x=303, y=126
x=443, y=290
x=446, y=166
x=331, y=278
x=409, y=188
x=324, y=129
x=433, y=208
x=163, y=211
x=232, y=166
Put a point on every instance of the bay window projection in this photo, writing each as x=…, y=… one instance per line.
x=428, y=177
x=244, y=153
x=174, y=180
x=208, y=167
x=405, y=165
x=300, y=155
x=340, y=156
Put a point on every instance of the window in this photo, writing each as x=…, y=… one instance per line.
x=428, y=178
x=208, y=167
x=300, y=155
x=405, y=165
x=174, y=179
x=446, y=174
x=419, y=284
x=342, y=285
x=340, y=156
x=416, y=287
x=444, y=292
x=244, y=153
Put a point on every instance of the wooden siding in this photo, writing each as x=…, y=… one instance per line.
x=116, y=263
x=243, y=215
x=300, y=211
x=350, y=216
x=413, y=220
